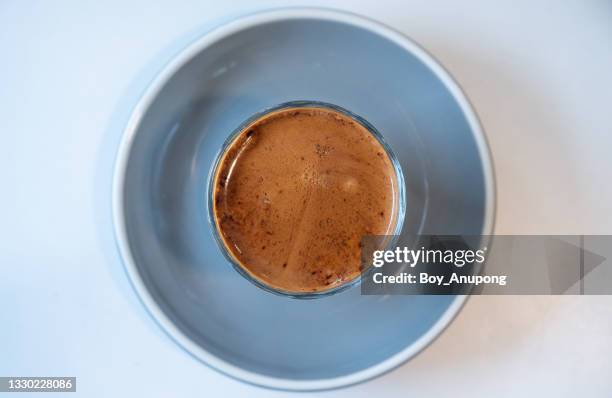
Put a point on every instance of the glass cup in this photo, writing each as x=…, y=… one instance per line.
x=399, y=200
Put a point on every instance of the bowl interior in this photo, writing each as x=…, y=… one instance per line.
x=165, y=203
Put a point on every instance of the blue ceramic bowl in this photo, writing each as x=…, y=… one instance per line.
x=168, y=151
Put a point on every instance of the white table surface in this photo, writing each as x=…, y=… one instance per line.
x=539, y=73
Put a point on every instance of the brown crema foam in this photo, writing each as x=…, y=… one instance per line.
x=296, y=191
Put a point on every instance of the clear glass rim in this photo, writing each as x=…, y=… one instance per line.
x=401, y=196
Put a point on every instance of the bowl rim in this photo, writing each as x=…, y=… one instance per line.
x=125, y=146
